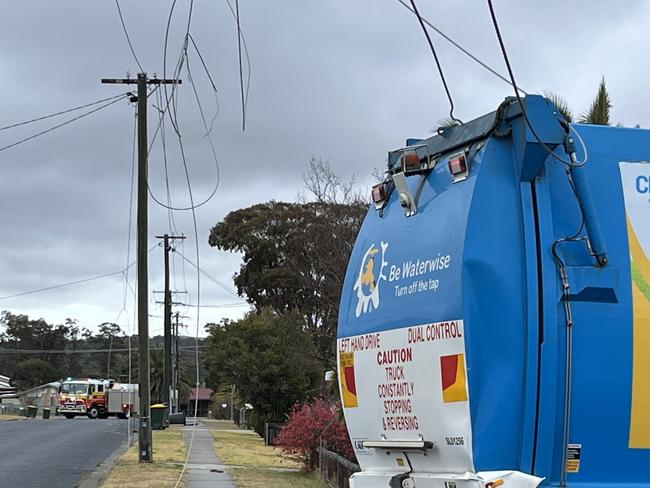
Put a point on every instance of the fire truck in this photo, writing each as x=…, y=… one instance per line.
x=97, y=398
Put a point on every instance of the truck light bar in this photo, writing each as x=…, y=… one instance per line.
x=399, y=445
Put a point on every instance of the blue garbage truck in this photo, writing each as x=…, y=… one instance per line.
x=494, y=326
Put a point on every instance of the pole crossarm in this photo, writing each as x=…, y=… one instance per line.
x=134, y=81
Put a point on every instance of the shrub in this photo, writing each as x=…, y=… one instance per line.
x=308, y=425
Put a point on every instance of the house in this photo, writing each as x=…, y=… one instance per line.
x=4, y=382
x=6, y=389
x=41, y=396
x=204, y=397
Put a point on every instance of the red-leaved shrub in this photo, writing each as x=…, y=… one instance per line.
x=308, y=425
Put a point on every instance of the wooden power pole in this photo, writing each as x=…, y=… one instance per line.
x=167, y=370
x=144, y=432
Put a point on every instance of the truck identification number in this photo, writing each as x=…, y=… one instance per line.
x=455, y=441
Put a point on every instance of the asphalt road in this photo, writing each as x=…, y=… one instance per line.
x=56, y=453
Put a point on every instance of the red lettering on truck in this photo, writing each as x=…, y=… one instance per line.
x=393, y=356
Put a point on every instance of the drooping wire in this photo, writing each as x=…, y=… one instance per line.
x=194, y=206
x=173, y=117
x=126, y=34
x=214, y=86
x=241, y=73
x=571, y=163
x=435, y=57
x=246, y=53
x=170, y=213
x=63, y=112
x=461, y=48
x=173, y=230
x=198, y=320
x=568, y=383
x=173, y=113
x=524, y=112
x=62, y=124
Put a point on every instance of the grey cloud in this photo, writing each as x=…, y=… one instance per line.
x=346, y=81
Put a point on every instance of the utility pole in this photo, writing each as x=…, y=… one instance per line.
x=232, y=402
x=175, y=375
x=167, y=370
x=145, y=454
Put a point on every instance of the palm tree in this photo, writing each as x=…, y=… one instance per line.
x=561, y=105
x=598, y=113
x=157, y=368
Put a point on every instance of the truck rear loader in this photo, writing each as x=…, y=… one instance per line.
x=494, y=327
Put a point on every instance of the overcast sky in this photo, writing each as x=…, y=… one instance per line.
x=344, y=81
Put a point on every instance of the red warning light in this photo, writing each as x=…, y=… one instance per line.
x=379, y=193
x=458, y=166
x=411, y=162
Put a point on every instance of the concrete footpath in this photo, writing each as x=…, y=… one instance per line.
x=204, y=469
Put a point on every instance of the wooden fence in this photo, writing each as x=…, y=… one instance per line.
x=271, y=431
x=335, y=469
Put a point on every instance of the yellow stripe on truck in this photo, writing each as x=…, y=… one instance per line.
x=640, y=415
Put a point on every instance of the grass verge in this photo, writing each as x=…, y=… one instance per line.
x=263, y=478
x=254, y=465
x=246, y=448
x=12, y=417
x=168, y=448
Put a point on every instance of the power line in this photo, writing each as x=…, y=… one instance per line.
x=173, y=117
x=212, y=278
x=208, y=131
x=222, y=305
x=214, y=86
x=71, y=283
x=85, y=351
x=193, y=205
x=461, y=48
x=435, y=57
x=241, y=73
x=169, y=99
x=246, y=53
x=61, y=124
x=62, y=285
x=126, y=34
x=524, y=112
x=128, y=253
x=63, y=112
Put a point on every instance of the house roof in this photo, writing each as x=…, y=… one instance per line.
x=203, y=394
x=36, y=389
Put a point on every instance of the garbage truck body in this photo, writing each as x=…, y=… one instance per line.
x=494, y=325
